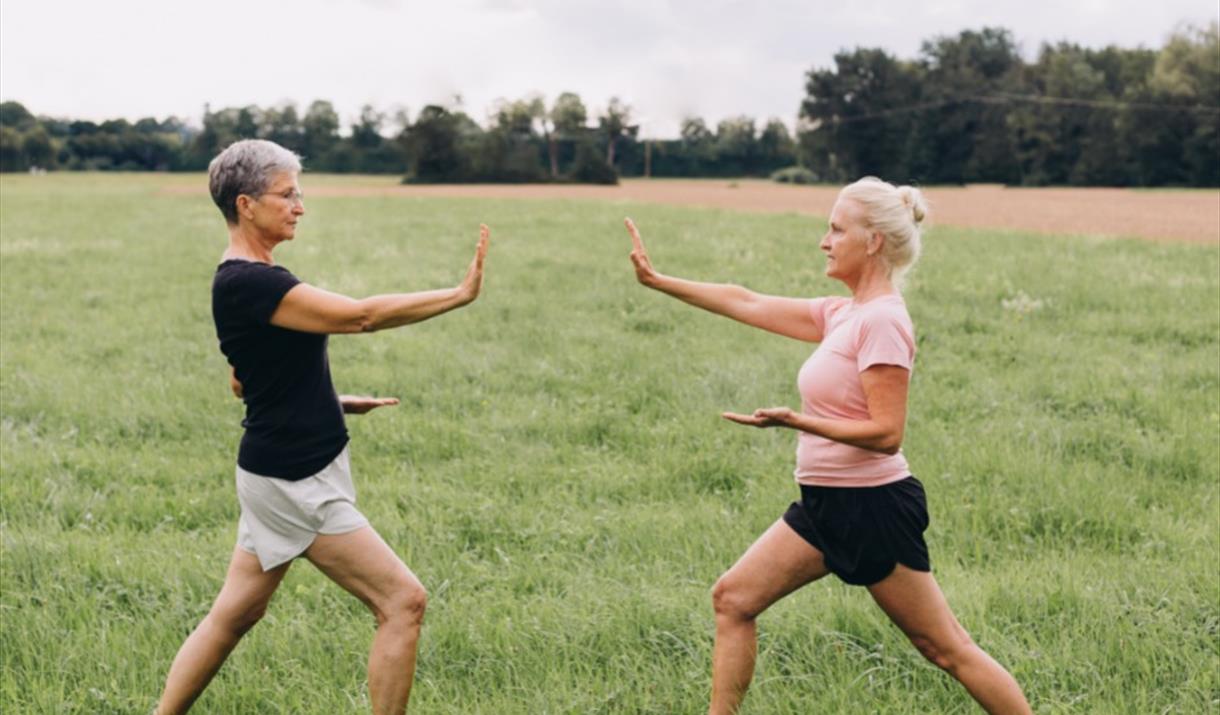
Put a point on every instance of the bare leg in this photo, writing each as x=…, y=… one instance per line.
x=914, y=601
x=241, y=603
x=367, y=568
x=774, y=566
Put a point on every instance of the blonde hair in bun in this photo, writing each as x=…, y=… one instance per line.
x=895, y=212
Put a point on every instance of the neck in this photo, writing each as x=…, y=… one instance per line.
x=873, y=282
x=245, y=242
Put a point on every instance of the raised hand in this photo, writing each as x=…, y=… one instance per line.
x=766, y=417
x=358, y=405
x=644, y=272
x=473, y=282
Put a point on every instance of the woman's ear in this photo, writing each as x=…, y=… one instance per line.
x=875, y=242
x=243, y=206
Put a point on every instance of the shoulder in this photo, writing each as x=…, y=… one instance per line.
x=240, y=267
x=888, y=313
x=827, y=306
x=235, y=273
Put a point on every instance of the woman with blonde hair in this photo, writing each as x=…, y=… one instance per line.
x=861, y=513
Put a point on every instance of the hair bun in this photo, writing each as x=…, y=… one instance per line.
x=913, y=199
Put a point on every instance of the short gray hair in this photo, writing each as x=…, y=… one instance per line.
x=246, y=167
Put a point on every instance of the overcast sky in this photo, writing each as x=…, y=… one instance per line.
x=712, y=58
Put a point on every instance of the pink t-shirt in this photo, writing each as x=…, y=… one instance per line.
x=854, y=338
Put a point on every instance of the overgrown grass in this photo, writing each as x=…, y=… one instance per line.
x=558, y=477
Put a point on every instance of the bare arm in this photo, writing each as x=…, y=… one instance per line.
x=359, y=405
x=312, y=310
x=885, y=389
x=785, y=316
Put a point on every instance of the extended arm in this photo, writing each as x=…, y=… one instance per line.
x=313, y=310
x=786, y=316
x=885, y=389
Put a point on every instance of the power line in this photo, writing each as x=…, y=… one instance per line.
x=1003, y=98
x=1100, y=104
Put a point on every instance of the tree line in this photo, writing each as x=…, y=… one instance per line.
x=969, y=108
x=523, y=140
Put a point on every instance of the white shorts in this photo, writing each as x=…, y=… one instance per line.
x=280, y=518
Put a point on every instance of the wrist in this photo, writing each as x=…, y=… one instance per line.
x=658, y=282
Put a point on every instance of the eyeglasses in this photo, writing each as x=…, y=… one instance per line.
x=292, y=196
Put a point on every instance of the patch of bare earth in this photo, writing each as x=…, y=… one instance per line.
x=1189, y=215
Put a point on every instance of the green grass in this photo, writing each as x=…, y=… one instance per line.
x=558, y=477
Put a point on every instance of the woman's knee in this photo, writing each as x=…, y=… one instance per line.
x=237, y=622
x=405, y=603
x=730, y=600
x=948, y=652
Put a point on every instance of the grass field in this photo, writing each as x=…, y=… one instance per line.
x=559, y=478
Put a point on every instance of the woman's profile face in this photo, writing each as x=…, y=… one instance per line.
x=846, y=241
x=278, y=209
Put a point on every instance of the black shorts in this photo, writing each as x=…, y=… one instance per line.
x=864, y=532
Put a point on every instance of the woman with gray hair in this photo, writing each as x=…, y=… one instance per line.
x=293, y=472
x=861, y=513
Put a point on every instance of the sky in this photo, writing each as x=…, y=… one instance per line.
x=666, y=59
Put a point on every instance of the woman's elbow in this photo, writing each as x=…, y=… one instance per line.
x=362, y=319
x=890, y=443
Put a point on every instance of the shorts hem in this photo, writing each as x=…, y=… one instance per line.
x=339, y=531
x=864, y=533
x=275, y=561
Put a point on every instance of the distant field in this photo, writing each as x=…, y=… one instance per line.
x=557, y=473
x=1181, y=215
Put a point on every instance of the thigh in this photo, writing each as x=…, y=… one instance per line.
x=364, y=565
x=775, y=565
x=247, y=588
x=914, y=602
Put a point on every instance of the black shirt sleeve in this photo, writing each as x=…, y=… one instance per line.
x=257, y=289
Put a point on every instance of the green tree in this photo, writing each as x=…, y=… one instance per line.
x=849, y=126
x=1187, y=75
x=615, y=124
x=736, y=146
x=511, y=150
x=39, y=149
x=776, y=149
x=320, y=128
x=12, y=151
x=14, y=115
x=963, y=139
x=434, y=147
x=1063, y=143
x=960, y=138
x=568, y=118
x=589, y=167
x=282, y=125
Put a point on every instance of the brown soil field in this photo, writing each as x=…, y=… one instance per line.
x=1169, y=215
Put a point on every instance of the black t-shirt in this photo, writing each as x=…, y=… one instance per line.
x=294, y=423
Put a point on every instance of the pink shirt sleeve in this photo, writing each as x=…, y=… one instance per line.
x=818, y=309
x=885, y=339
